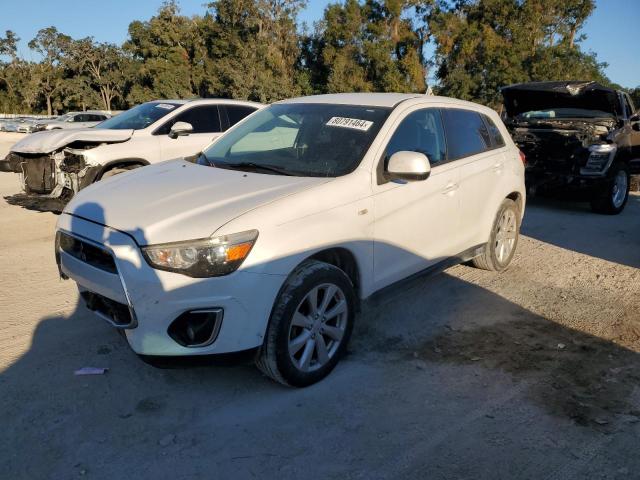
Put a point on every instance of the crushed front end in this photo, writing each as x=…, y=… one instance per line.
x=564, y=153
x=567, y=131
x=58, y=174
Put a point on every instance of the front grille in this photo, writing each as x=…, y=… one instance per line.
x=116, y=313
x=39, y=173
x=86, y=252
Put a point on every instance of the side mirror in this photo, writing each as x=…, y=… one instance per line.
x=179, y=129
x=408, y=166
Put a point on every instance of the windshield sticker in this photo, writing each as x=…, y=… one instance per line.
x=166, y=106
x=354, y=123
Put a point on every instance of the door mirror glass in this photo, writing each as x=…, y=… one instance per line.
x=405, y=165
x=180, y=128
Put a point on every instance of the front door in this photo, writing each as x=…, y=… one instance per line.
x=205, y=121
x=415, y=222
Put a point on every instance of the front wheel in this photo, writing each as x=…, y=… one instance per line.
x=310, y=325
x=612, y=198
x=503, y=240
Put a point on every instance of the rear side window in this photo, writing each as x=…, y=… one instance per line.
x=235, y=113
x=203, y=119
x=420, y=131
x=494, y=133
x=466, y=133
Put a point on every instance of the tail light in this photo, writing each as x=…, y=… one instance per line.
x=523, y=157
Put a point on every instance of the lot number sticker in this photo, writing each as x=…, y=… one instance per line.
x=353, y=123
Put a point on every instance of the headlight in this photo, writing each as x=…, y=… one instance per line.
x=207, y=257
x=600, y=157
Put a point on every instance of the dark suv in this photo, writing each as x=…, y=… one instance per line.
x=580, y=138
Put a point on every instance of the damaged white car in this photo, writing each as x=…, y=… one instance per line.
x=57, y=164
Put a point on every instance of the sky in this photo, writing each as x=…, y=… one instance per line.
x=612, y=30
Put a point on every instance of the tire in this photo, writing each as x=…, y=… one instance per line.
x=306, y=335
x=493, y=258
x=118, y=170
x=613, y=196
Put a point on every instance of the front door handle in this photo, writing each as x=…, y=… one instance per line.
x=450, y=188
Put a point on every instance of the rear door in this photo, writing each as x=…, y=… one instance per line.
x=232, y=114
x=205, y=120
x=481, y=165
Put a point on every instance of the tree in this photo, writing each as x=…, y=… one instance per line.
x=368, y=47
x=51, y=45
x=168, y=49
x=252, y=48
x=483, y=45
x=98, y=66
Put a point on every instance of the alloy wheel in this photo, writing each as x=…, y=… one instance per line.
x=506, y=235
x=318, y=327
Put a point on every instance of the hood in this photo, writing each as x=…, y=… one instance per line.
x=48, y=141
x=526, y=97
x=177, y=200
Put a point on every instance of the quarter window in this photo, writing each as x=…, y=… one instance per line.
x=466, y=133
x=494, y=132
x=421, y=131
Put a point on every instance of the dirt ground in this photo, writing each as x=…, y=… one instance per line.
x=528, y=374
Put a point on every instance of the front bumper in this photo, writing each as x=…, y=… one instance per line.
x=156, y=298
x=540, y=180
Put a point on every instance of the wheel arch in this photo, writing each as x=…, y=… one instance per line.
x=519, y=199
x=124, y=162
x=345, y=260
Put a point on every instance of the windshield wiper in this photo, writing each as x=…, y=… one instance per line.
x=255, y=166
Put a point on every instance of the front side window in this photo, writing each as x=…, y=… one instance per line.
x=466, y=133
x=420, y=131
x=203, y=119
x=314, y=140
x=139, y=117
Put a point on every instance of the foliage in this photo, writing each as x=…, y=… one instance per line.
x=254, y=49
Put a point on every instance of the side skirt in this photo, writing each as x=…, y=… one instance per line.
x=434, y=269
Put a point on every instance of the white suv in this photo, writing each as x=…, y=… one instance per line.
x=59, y=163
x=287, y=221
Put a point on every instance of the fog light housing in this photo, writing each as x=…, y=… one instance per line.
x=196, y=328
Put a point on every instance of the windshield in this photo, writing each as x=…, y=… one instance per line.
x=310, y=140
x=63, y=118
x=139, y=117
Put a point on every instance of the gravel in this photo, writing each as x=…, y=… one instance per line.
x=458, y=375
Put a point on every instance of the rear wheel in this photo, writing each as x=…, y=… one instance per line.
x=501, y=247
x=310, y=325
x=612, y=198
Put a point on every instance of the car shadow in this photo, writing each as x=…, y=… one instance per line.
x=573, y=226
x=433, y=353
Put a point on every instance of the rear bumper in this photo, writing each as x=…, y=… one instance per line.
x=157, y=298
